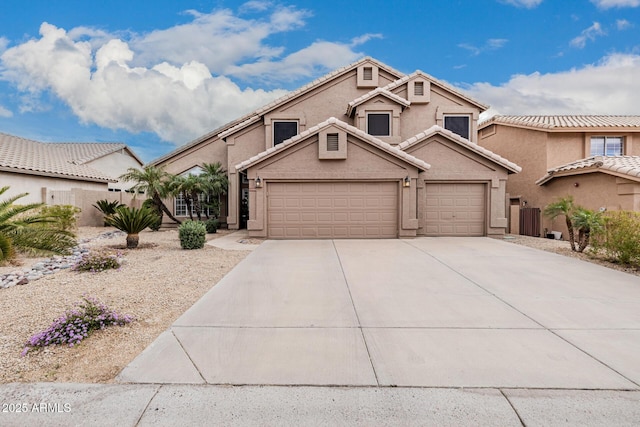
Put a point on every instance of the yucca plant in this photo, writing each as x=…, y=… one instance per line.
x=28, y=229
x=132, y=221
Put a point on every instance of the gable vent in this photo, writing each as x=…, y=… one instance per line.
x=332, y=142
x=418, y=88
x=367, y=73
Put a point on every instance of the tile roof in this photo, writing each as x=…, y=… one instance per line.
x=420, y=164
x=463, y=142
x=253, y=116
x=54, y=159
x=624, y=166
x=566, y=123
x=377, y=91
x=437, y=82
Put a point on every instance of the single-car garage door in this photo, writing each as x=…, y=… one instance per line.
x=308, y=210
x=455, y=209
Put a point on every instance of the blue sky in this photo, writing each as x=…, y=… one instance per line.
x=157, y=74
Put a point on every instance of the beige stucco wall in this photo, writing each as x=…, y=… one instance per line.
x=114, y=165
x=34, y=185
x=592, y=191
x=451, y=162
x=363, y=163
x=538, y=151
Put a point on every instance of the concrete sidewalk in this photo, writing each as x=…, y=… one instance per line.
x=446, y=331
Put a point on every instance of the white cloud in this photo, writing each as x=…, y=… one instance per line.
x=623, y=24
x=5, y=112
x=589, y=34
x=608, y=87
x=490, y=44
x=174, y=82
x=608, y=4
x=529, y=4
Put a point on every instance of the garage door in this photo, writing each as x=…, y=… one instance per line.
x=455, y=209
x=309, y=210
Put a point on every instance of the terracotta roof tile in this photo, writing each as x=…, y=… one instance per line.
x=462, y=141
x=559, y=123
x=348, y=128
x=65, y=159
x=619, y=165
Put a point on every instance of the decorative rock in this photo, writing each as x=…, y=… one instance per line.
x=53, y=264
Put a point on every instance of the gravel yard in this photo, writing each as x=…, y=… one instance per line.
x=156, y=284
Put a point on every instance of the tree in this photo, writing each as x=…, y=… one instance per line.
x=30, y=229
x=132, y=221
x=563, y=206
x=216, y=182
x=154, y=181
x=191, y=187
x=585, y=221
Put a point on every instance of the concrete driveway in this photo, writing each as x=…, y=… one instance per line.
x=426, y=312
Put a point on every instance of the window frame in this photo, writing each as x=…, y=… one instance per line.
x=466, y=116
x=380, y=113
x=274, y=124
x=619, y=139
x=180, y=203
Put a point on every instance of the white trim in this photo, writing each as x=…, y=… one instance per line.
x=379, y=113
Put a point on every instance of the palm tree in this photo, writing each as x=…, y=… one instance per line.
x=586, y=221
x=217, y=183
x=563, y=206
x=154, y=181
x=28, y=229
x=107, y=207
x=132, y=221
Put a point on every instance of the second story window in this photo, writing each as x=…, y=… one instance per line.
x=458, y=124
x=607, y=146
x=379, y=124
x=283, y=130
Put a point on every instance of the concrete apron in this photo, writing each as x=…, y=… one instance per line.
x=426, y=312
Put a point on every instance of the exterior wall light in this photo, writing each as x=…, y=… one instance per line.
x=258, y=182
x=406, y=182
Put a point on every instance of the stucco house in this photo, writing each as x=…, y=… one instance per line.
x=595, y=159
x=362, y=152
x=65, y=173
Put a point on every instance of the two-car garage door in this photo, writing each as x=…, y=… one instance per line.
x=308, y=210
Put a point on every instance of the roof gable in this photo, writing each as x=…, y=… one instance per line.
x=567, y=123
x=394, y=151
x=621, y=166
x=351, y=108
x=445, y=86
x=254, y=116
x=483, y=152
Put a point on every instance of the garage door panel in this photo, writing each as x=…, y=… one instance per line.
x=455, y=209
x=332, y=210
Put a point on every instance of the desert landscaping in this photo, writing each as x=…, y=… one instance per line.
x=156, y=283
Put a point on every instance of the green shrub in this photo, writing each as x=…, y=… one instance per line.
x=151, y=206
x=619, y=237
x=132, y=221
x=212, y=225
x=98, y=261
x=192, y=234
x=66, y=216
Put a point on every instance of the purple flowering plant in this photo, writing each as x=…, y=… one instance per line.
x=77, y=324
x=99, y=261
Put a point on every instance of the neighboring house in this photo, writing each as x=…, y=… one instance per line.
x=50, y=171
x=595, y=159
x=363, y=152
